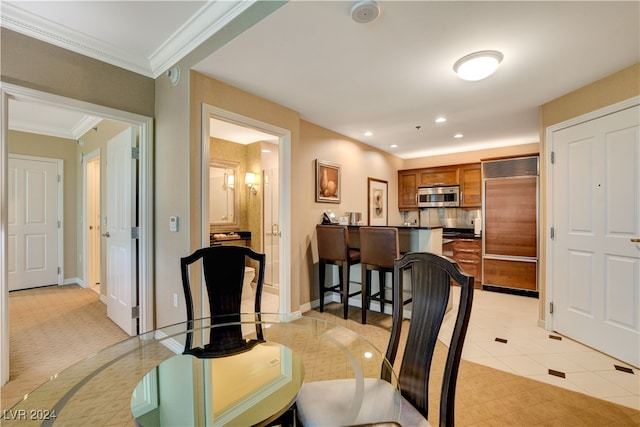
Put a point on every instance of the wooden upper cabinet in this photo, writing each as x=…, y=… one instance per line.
x=470, y=186
x=408, y=189
x=467, y=176
x=446, y=175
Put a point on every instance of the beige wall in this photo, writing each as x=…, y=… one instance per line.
x=177, y=164
x=37, y=65
x=57, y=148
x=617, y=87
x=358, y=162
x=471, y=156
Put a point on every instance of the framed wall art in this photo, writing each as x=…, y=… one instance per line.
x=377, y=202
x=327, y=182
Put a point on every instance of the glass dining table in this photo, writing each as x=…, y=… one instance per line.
x=147, y=380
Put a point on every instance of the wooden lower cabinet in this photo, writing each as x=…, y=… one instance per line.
x=468, y=254
x=511, y=274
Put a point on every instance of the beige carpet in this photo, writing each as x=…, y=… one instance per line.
x=50, y=329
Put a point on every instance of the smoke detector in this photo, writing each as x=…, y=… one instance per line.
x=365, y=11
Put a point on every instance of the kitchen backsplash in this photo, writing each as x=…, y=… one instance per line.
x=447, y=217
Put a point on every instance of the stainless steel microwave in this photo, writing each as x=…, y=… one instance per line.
x=438, y=197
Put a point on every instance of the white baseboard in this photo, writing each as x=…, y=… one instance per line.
x=74, y=281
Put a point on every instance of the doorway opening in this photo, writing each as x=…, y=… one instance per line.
x=92, y=221
x=266, y=201
x=144, y=200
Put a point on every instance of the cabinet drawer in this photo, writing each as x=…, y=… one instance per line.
x=510, y=274
x=467, y=248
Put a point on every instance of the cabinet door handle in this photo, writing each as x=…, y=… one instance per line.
x=466, y=261
x=468, y=250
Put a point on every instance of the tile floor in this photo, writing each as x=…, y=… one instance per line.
x=530, y=352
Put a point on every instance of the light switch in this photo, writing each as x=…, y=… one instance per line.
x=173, y=223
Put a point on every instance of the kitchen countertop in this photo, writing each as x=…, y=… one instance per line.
x=462, y=233
x=406, y=227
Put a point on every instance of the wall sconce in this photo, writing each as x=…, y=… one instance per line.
x=250, y=180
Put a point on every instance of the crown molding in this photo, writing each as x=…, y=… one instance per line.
x=31, y=25
x=209, y=19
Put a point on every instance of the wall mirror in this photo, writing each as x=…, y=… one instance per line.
x=224, y=212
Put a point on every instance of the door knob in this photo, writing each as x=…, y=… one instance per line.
x=107, y=234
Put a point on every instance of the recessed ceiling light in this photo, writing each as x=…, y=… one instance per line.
x=394, y=145
x=368, y=133
x=458, y=135
x=441, y=119
x=478, y=65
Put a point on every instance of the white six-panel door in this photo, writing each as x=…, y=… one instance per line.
x=33, y=221
x=121, y=254
x=596, y=217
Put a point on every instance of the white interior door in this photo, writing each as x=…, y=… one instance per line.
x=33, y=222
x=596, y=217
x=121, y=254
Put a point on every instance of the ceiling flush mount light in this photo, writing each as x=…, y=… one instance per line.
x=478, y=65
x=365, y=11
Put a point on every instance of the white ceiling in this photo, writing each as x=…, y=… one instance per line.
x=392, y=77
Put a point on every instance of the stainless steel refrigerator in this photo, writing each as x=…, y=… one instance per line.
x=510, y=225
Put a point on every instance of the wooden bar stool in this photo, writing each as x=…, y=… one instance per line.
x=333, y=249
x=379, y=248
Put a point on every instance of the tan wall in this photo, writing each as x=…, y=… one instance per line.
x=37, y=65
x=617, y=87
x=358, y=162
x=177, y=164
x=65, y=149
x=471, y=156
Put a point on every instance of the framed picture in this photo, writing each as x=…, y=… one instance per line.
x=327, y=182
x=377, y=202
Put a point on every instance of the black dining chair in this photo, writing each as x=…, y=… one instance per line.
x=431, y=277
x=223, y=269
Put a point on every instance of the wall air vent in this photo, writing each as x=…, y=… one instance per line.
x=522, y=166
